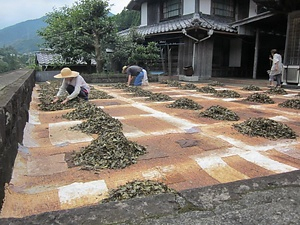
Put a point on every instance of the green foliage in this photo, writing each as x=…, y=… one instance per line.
x=131, y=50
x=9, y=59
x=81, y=32
x=127, y=19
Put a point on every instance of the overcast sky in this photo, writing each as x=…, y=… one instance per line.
x=16, y=11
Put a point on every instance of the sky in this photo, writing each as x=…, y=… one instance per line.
x=16, y=11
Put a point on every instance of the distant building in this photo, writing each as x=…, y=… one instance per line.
x=220, y=38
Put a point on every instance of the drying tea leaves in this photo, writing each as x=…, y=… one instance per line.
x=110, y=150
x=99, y=124
x=159, y=97
x=266, y=128
x=132, y=89
x=260, y=98
x=189, y=86
x=227, y=94
x=251, y=87
x=119, y=85
x=216, y=83
x=97, y=94
x=276, y=91
x=137, y=189
x=220, y=113
x=173, y=83
x=84, y=111
x=47, y=105
x=185, y=103
x=292, y=103
x=142, y=93
x=207, y=89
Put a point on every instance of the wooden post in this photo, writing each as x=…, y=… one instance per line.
x=256, y=53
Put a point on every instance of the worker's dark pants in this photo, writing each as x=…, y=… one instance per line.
x=82, y=94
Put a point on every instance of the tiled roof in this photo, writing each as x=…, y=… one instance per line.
x=46, y=59
x=186, y=22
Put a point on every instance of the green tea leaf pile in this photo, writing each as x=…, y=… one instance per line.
x=207, y=89
x=259, y=98
x=220, y=113
x=291, y=103
x=227, y=94
x=173, y=83
x=159, y=97
x=251, y=87
x=189, y=86
x=276, y=91
x=84, y=111
x=185, y=103
x=136, y=189
x=97, y=94
x=111, y=150
x=266, y=128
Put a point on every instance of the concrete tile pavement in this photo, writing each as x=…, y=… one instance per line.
x=219, y=155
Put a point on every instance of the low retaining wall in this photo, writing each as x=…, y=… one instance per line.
x=42, y=76
x=15, y=97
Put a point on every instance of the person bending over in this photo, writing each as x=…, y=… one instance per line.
x=73, y=83
x=134, y=72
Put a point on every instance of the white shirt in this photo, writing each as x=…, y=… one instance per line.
x=276, y=60
x=76, y=82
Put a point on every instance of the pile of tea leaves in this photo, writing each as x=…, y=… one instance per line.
x=97, y=94
x=119, y=85
x=266, y=128
x=260, y=98
x=159, y=97
x=137, y=188
x=173, y=83
x=216, y=83
x=111, y=150
x=185, y=103
x=132, y=89
x=291, y=103
x=99, y=124
x=207, y=89
x=251, y=87
x=142, y=93
x=84, y=111
x=227, y=94
x=220, y=113
x=189, y=86
x=276, y=91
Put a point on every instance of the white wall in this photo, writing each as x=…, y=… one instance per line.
x=235, y=54
x=252, y=9
x=205, y=6
x=144, y=14
x=188, y=6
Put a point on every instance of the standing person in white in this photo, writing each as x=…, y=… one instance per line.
x=276, y=69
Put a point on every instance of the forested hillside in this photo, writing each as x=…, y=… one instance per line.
x=23, y=36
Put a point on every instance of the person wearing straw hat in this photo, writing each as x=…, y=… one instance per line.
x=135, y=72
x=73, y=83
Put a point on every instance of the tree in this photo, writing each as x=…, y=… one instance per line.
x=132, y=49
x=80, y=32
x=9, y=59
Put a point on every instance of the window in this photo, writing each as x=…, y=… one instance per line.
x=223, y=8
x=170, y=8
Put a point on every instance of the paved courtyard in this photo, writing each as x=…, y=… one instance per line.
x=184, y=150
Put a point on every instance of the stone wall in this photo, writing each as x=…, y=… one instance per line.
x=15, y=97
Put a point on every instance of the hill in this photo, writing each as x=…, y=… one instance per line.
x=23, y=36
